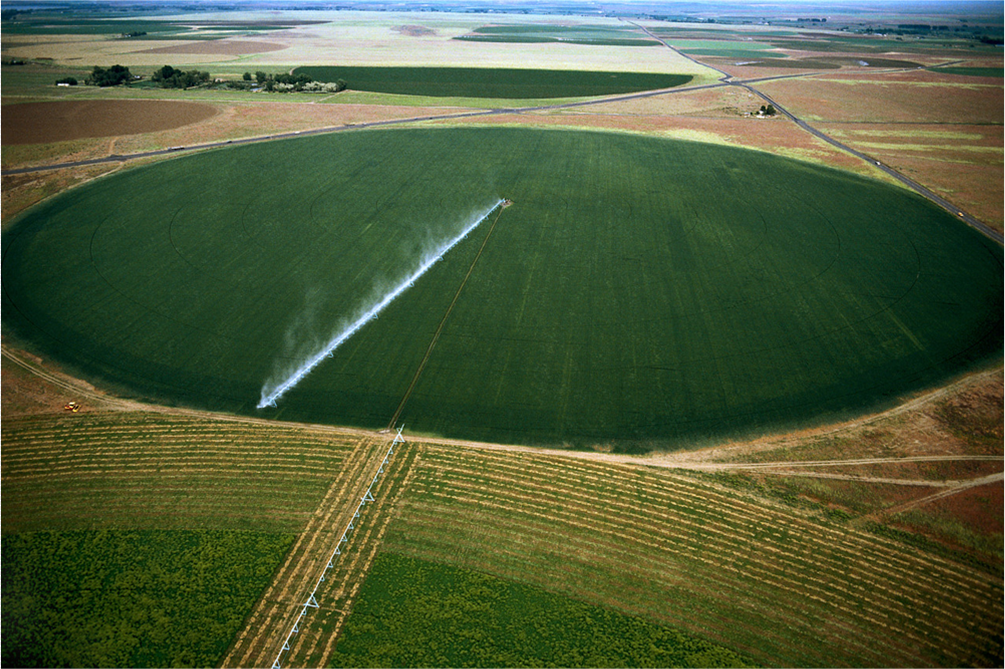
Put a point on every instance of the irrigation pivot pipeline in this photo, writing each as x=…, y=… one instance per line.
x=271, y=394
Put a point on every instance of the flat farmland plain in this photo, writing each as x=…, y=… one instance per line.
x=780, y=584
x=635, y=289
x=669, y=293
x=141, y=539
x=951, y=143
x=890, y=97
x=492, y=83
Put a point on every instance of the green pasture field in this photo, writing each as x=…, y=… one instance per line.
x=131, y=598
x=996, y=72
x=881, y=45
x=416, y=613
x=82, y=26
x=155, y=28
x=639, y=291
x=492, y=82
x=739, y=49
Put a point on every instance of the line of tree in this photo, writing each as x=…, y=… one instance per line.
x=169, y=77
x=113, y=76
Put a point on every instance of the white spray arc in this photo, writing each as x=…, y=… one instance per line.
x=273, y=393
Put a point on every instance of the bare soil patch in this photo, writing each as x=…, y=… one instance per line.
x=46, y=122
x=21, y=191
x=23, y=393
x=223, y=47
x=415, y=31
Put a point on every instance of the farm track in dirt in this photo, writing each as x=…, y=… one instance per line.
x=279, y=607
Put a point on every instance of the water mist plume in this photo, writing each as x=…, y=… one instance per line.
x=271, y=393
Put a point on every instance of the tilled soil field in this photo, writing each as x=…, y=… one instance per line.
x=45, y=122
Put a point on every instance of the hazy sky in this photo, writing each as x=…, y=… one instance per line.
x=706, y=7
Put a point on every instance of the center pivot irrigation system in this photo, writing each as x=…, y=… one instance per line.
x=312, y=602
x=270, y=395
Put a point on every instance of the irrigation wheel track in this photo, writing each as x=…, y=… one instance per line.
x=956, y=487
x=439, y=329
x=320, y=628
x=259, y=641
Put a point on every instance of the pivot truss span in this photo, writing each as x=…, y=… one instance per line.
x=271, y=394
x=312, y=602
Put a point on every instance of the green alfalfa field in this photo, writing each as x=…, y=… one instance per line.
x=499, y=83
x=641, y=292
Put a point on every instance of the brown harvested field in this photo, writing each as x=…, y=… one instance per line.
x=229, y=121
x=960, y=162
x=223, y=47
x=720, y=102
x=238, y=120
x=747, y=68
x=47, y=122
x=905, y=97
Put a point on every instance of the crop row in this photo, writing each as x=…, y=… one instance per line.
x=163, y=471
x=740, y=570
x=693, y=496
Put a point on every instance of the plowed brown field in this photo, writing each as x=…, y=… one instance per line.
x=45, y=122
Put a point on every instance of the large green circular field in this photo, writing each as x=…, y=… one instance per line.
x=639, y=291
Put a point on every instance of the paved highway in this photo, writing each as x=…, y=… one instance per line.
x=727, y=79
x=115, y=158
